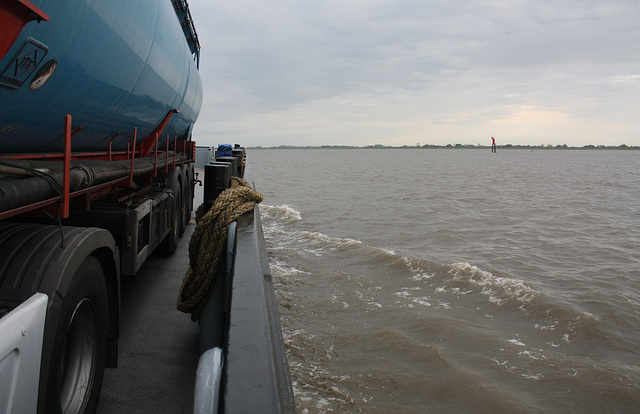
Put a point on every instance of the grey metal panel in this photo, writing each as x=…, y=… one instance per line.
x=203, y=156
x=256, y=372
x=20, y=349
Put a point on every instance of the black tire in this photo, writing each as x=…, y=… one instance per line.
x=170, y=243
x=188, y=197
x=80, y=344
x=184, y=203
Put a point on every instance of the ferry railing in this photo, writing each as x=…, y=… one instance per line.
x=254, y=373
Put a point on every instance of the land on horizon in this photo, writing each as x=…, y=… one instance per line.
x=456, y=146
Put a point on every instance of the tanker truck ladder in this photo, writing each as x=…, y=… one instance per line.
x=186, y=22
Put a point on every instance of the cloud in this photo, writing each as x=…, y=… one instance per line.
x=397, y=72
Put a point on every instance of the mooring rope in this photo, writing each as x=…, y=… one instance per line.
x=208, y=242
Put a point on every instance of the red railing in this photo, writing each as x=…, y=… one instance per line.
x=96, y=191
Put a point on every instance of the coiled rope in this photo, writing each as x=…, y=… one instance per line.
x=208, y=242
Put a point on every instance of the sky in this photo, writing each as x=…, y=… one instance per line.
x=407, y=72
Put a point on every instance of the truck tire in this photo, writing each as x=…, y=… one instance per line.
x=80, y=343
x=187, y=197
x=184, y=202
x=170, y=242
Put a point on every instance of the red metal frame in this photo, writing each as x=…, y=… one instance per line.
x=63, y=202
x=14, y=15
x=51, y=202
x=183, y=148
x=146, y=144
x=116, y=155
x=112, y=138
x=166, y=163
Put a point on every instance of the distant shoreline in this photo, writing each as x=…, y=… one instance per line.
x=622, y=147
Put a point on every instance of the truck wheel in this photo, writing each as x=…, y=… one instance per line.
x=184, y=203
x=188, y=202
x=170, y=243
x=80, y=344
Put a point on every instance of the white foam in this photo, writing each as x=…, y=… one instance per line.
x=419, y=274
x=417, y=300
x=537, y=356
x=542, y=327
x=322, y=403
x=336, y=299
x=421, y=301
x=284, y=212
x=515, y=342
x=493, y=286
x=388, y=251
x=337, y=241
x=282, y=269
x=403, y=294
x=422, y=276
x=454, y=290
x=279, y=235
x=367, y=299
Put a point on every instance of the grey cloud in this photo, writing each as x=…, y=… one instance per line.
x=264, y=57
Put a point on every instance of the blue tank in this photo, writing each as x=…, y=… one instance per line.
x=112, y=64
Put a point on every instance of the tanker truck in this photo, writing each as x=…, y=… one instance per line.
x=98, y=99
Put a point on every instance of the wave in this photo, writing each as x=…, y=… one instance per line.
x=284, y=269
x=498, y=289
x=545, y=313
x=414, y=282
x=284, y=213
x=328, y=241
x=277, y=220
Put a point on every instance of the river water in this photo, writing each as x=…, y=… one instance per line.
x=455, y=280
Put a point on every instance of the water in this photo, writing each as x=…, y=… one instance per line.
x=419, y=281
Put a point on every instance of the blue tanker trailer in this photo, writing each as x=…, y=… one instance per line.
x=98, y=99
x=114, y=65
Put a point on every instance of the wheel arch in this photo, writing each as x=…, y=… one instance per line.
x=44, y=258
x=111, y=271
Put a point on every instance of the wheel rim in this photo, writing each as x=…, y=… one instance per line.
x=79, y=358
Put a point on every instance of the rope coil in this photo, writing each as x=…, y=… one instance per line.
x=208, y=242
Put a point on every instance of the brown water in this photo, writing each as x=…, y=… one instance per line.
x=420, y=281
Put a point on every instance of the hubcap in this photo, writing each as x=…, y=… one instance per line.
x=79, y=358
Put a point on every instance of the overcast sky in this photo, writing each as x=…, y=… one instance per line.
x=401, y=72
